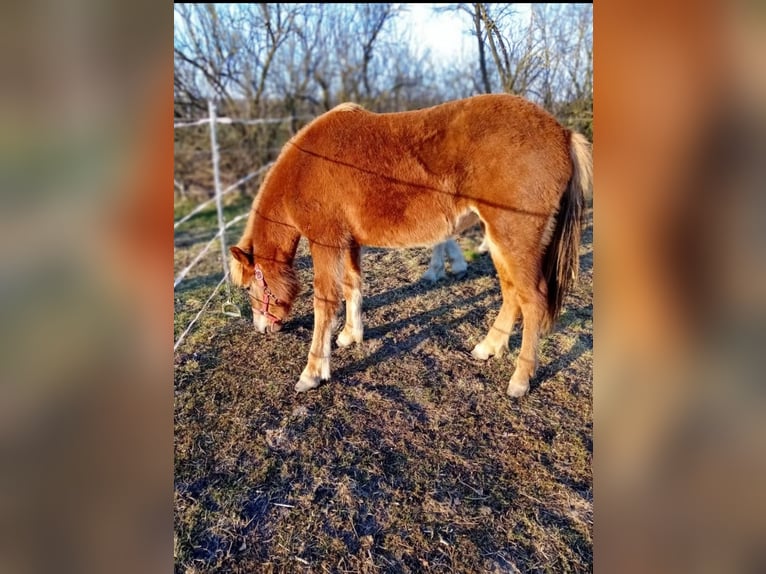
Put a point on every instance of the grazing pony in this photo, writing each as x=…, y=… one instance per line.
x=354, y=178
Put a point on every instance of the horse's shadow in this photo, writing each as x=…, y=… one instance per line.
x=427, y=321
x=433, y=320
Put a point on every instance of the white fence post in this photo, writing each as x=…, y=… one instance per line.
x=218, y=202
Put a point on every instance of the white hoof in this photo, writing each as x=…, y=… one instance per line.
x=484, y=351
x=517, y=388
x=481, y=352
x=345, y=338
x=306, y=383
x=459, y=268
x=434, y=276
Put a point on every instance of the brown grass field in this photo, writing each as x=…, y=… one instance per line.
x=410, y=459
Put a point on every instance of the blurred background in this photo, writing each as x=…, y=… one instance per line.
x=680, y=287
x=86, y=154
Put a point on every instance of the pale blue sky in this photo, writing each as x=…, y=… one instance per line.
x=446, y=34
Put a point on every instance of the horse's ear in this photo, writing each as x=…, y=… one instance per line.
x=241, y=267
x=243, y=257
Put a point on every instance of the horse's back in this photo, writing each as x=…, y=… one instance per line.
x=409, y=177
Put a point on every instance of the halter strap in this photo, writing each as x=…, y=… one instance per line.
x=268, y=296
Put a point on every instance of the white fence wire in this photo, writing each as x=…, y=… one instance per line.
x=182, y=336
x=230, y=121
x=185, y=271
x=229, y=189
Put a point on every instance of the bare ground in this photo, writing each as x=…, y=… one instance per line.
x=411, y=459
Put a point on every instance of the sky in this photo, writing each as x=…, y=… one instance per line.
x=447, y=34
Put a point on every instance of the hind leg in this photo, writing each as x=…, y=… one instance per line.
x=496, y=341
x=483, y=246
x=532, y=301
x=518, y=269
x=352, y=292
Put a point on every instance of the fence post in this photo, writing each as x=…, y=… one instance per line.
x=217, y=182
x=228, y=307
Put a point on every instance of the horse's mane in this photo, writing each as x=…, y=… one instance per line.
x=345, y=107
x=348, y=107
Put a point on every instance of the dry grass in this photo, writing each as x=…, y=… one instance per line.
x=411, y=459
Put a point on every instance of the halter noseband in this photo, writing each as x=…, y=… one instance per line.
x=267, y=297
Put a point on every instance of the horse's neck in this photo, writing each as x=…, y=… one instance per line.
x=274, y=241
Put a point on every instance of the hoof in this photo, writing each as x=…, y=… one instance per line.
x=345, y=339
x=483, y=351
x=306, y=383
x=480, y=352
x=517, y=389
x=432, y=276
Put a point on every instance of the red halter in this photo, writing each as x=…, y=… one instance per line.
x=268, y=296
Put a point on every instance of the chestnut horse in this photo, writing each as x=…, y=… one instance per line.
x=354, y=178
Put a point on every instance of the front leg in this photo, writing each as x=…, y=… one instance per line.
x=327, y=266
x=318, y=366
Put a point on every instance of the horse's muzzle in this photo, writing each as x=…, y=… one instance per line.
x=264, y=325
x=274, y=327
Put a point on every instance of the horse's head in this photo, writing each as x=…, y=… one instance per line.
x=270, y=298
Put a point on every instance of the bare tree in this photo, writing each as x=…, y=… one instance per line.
x=232, y=47
x=565, y=39
x=480, y=38
x=580, y=66
x=546, y=56
x=478, y=30
x=227, y=52
x=514, y=47
x=373, y=18
x=356, y=32
x=359, y=55
x=297, y=65
x=203, y=50
x=502, y=39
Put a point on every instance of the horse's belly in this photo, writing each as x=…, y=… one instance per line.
x=418, y=230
